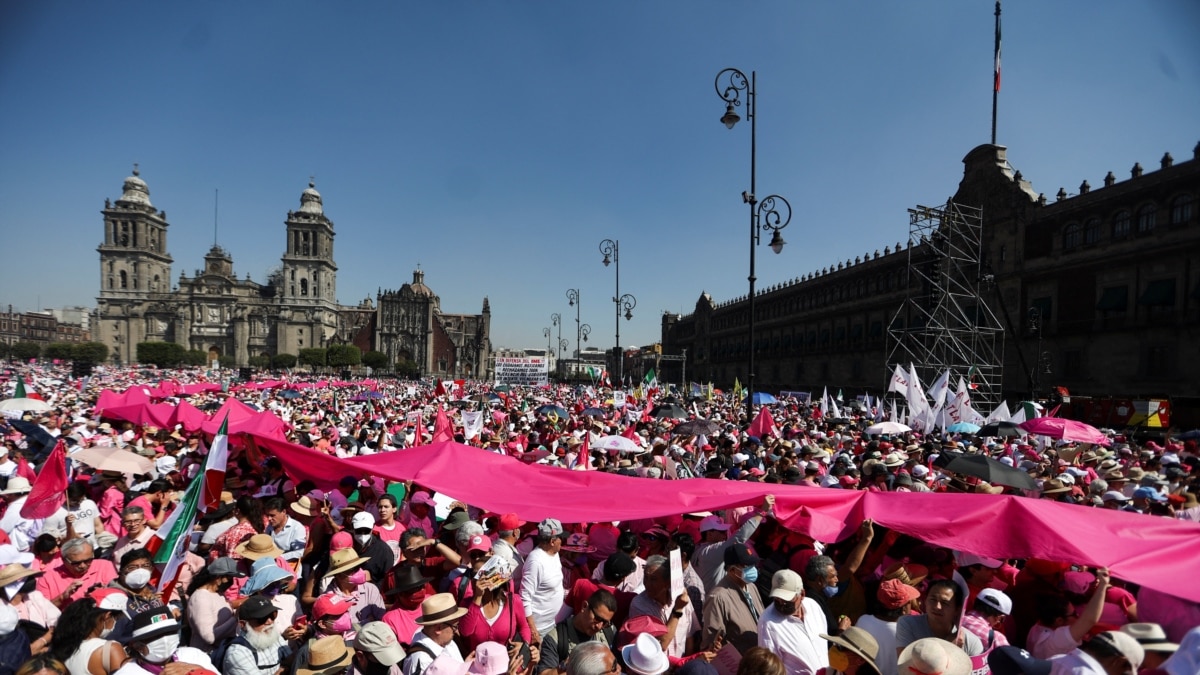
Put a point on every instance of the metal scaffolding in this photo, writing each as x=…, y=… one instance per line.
x=944, y=322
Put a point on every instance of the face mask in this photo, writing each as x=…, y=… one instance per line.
x=830, y=591
x=107, y=628
x=749, y=574
x=272, y=591
x=839, y=660
x=358, y=578
x=137, y=579
x=224, y=586
x=362, y=539
x=343, y=624
x=8, y=618
x=411, y=602
x=162, y=649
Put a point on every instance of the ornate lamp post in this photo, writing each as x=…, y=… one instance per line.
x=771, y=213
x=611, y=250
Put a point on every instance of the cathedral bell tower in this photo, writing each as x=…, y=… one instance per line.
x=308, y=286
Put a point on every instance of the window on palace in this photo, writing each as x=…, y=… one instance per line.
x=1072, y=237
x=1091, y=232
x=1145, y=218
x=1121, y=225
x=1181, y=210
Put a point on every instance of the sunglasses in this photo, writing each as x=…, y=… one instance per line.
x=270, y=617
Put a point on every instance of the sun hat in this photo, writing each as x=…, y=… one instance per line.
x=934, y=656
x=1054, y=486
x=908, y=573
x=786, y=585
x=858, y=641
x=895, y=594
x=327, y=655
x=645, y=656
x=258, y=546
x=439, y=608
x=256, y=607
x=111, y=599
x=304, y=506
x=1009, y=660
x=379, y=640
x=407, y=578
x=996, y=600
x=1150, y=636
x=344, y=560
x=9, y=555
x=1125, y=645
x=17, y=485
x=446, y=664
x=491, y=658
x=330, y=604
x=14, y=572
x=264, y=576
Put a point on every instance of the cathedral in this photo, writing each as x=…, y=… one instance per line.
x=215, y=312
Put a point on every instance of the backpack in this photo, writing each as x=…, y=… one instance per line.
x=417, y=647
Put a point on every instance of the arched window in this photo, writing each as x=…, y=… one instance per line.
x=110, y=283
x=154, y=284
x=1091, y=232
x=1181, y=210
x=1121, y=225
x=124, y=279
x=1072, y=237
x=304, y=287
x=1145, y=218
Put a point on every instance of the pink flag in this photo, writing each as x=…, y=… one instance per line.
x=49, y=490
x=442, y=430
x=763, y=425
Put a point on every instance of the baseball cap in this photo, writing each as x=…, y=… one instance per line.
x=786, y=585
x=1114, y=496
x=225, y=567
x=330, y=604
x=996, y=600
x=1148, y=493
x=153, y=623
x=968, y=559
x=740, y=554
x=619, y=565
x=550, y=527
x=509, y=521
x=256, y=607
x=110, y=599
x=421, y=498
x=894, y=593
x=1009, y=660
x=379, y=640
x=479, y=543
x=362, y=520
x=713, y=523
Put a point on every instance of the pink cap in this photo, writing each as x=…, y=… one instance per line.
x=340, y=541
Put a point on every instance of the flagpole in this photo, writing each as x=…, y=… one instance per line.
x=996, y=84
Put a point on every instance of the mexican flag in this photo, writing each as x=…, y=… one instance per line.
x=170, y=544
x=651, y=380
x=214, y=468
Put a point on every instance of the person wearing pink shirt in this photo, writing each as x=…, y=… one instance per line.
x=79, y=572
x=112, y=502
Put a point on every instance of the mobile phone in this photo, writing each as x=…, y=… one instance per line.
x=300, y=622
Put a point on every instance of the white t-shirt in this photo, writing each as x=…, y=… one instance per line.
x=85, y=520
x=542, y=589
x=1044, y=642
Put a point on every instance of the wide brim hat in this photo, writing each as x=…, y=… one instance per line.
x=644, y=656
x=17, y=485
x=344, y=560
x=1055, y=486
x=327, y=655
x=304, y=506
x=439, y=608
x=407, y=578
x=934, y=656
x=258, y=546
x=860, y=642
x=15, y=572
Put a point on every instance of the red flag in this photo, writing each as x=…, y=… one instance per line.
x=440, y=389
x=631, y=433
x=49, y=489
x=24, y=470
x=763, y=425
x=646, y=411
x=585, y=451
x=442, y=430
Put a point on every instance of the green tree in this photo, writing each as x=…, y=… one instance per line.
x=195, y=357
x=226, y=361
x=406, y=368
x=314, y=356
x=260, y=361
x=160, y=354
x=23, y=351
x=283, y=361
x=340, y=356
x=64, y=351
x=375, y=360
x=91, y=352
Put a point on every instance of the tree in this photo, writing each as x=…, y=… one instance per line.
x=63, y=351
x=91, y=352
x=195, y=357
x=283, y=361
x=160, y=354
x=406, y=368
x=260, y=361
x=314, y=356
x=340, y=356
x=375, y=360
x=23, y=351
x=226, y=361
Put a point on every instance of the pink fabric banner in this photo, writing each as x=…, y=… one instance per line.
x=1155, y=552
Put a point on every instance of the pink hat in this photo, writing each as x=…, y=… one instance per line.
x=479, y=543
x=421, y=498
x=340, y=541
x=491, y=658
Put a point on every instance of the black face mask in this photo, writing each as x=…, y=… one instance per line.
x=224, y=586
x=29, y=586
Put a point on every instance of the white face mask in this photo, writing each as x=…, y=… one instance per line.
x=107, y=628
x=8, y=618
x=162, y=649
x=137, y=579
x=362, y=539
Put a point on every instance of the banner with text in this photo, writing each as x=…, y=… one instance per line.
x=529, y=370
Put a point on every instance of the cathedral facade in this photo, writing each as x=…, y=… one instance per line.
x=215, y=312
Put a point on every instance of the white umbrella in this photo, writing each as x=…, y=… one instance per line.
x=25, y=404
x=887, y=428
x=113, y=459
x=617, y=443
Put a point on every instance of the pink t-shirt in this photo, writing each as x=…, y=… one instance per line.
x=1117, y=602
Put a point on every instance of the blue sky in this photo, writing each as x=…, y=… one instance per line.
x=497, y=143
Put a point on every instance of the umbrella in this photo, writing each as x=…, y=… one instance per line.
x=761, y=398
x=962, y=428
x=617, y=443
x=988, y=469
x=594, y=412
x=25, y=405
x=887, y=428
x=551, y=409
x=1068, y=430
x=1192, y=435
x=699, y=427
x=1000, y=429
x=288, y=393
x=113, y=459
x=669, y=411
x=486, y=397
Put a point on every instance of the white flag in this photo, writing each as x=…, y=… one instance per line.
x=472, y=423
x=1000, y=414
x=914, y=394
x=899, y=381
x=938, y=390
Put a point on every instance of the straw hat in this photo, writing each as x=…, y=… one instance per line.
x=440, y=608
x=934, y=656
x=15, y=572
x=344, y=560
x=258, y=546
x=860, y=642
x=1054, y=486
x=908, y=573
x=304, y=506
x=327, y=656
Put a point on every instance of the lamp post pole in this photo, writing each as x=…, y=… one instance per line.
x=546, y=333
x=772, y=213
x=610, y=248
x=556, y=320
x=1035, y=324
x=574, y=301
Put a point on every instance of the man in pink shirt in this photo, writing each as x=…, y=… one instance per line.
x=112, y=501
x=79, y=573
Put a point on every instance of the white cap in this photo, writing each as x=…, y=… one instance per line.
x=920, y=471
x=713, y=523
x=968, y=559
x=996, y=600
x=361, y=520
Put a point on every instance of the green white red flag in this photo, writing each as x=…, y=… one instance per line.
x=214, y=468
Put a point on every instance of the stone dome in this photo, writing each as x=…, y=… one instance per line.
x=418, y=286
x=136, y=190
x=310, y=200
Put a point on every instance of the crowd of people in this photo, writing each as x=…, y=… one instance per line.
x=389, y=577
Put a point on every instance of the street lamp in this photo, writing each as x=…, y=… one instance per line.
x=772, y=213
x=556, y=320
x=546, y=333
x=1042, y=360
x=611, y=250
x=574, y=301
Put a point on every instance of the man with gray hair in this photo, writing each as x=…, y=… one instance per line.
x=839, y=593
x=137, y=532
x=79, y=572
x=542, y=589
x=676, y=613
x=592, y=658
